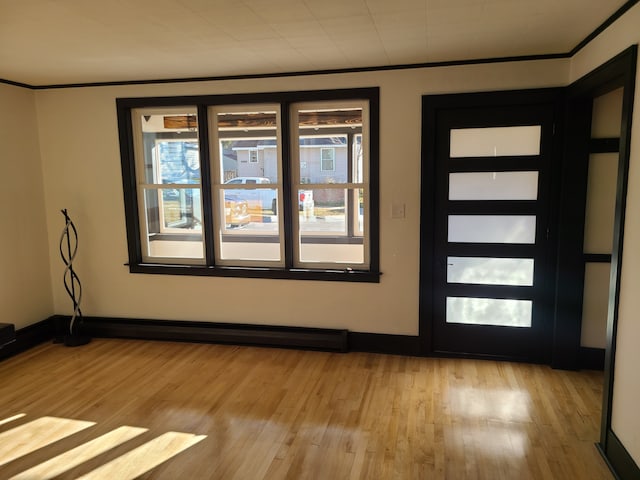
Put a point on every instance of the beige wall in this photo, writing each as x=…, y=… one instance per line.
x=626, y=395
x=25, y=289
x=79, y=138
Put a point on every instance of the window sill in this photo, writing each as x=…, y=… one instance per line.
x=258, y=272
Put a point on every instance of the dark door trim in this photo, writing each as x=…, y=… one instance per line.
x=618, y=72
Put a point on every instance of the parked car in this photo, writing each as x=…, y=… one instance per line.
x=257, y=198
x=266, y=198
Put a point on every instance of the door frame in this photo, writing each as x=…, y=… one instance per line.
x=575, y=104
x=431, y=105
x=618, y=72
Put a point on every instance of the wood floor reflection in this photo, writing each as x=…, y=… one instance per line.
x=131, y=409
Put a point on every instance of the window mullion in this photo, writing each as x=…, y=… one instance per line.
x=205, y=180
x=349, y=210
x=287, y=183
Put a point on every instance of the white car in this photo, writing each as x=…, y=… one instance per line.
x=262, y=198
x=266, y=198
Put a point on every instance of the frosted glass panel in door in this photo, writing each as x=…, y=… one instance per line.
x=489, y=311
x=495, y=141
x=493, y=186
x=490, y=271
x=492, y=229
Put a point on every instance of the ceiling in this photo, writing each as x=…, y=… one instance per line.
x=46, y=42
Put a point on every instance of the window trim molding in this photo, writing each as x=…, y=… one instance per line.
x=136, y=264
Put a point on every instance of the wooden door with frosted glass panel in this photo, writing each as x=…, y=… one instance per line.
x=492, y=280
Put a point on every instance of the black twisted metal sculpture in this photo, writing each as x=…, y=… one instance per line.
x=72, y=285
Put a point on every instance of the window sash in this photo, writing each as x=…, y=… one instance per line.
x=218, y=185
x=296, y=133
x=143, y=186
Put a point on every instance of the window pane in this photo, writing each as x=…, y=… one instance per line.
x=492, y=228
x=260, y=199
x=495, y=141
x=358, y=166
x=360, y=207
x=323, y=211
x=331, y=225
x=177, y=161
x=490, y=271
x=330, y=144
x=493, y=186
x=249, y=232
x=489, y=311
x=170, y=147
x=248, y=146
x=324, y=159
x=173, y=223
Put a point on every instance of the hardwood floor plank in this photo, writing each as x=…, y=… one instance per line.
x=277, y=414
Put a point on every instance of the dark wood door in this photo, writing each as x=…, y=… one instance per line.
x=491, y=279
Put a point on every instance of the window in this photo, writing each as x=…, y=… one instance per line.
x=327, y=159
x=169, y=185
x=264, y=185
x=329, y=226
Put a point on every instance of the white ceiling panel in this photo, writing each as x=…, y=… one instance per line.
x=45, y=42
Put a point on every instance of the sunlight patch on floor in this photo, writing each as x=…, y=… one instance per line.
x=27, y=438
x=11, y=419
x=145, y=457
x=74, y=457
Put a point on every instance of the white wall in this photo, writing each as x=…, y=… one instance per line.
x=25, y=290
x=79, y=139
x=626, y=395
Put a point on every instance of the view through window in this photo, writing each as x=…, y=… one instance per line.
x=279, y=182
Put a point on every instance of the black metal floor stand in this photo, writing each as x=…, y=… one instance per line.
x=75, y=336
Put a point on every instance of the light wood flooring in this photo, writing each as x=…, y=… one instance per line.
x=124, y=409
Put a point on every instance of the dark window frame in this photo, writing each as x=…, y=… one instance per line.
x=124, y=107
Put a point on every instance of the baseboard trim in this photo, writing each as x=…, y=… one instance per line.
x=618, y=459
x=205, y=332
x=337, y=340
x=591, y=358
x=28, y=337
x=384, y=343
x=7, y=334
